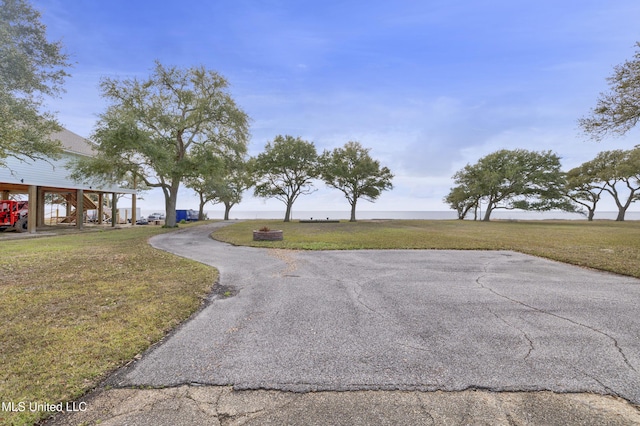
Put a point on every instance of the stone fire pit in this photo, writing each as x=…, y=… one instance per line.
x=267, y=235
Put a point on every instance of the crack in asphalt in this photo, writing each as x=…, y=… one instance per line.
x=357, y=290
x=595, y=379
x=303, y=387
x=526, y=336
x=542, y=311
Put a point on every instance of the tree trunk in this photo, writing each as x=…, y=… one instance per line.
x=590, y=216
x=287, y=215
x=487, y=213
x=227, y=209
x=170, y=205
x=353, y=212
x=201, y=209
x=622, y=208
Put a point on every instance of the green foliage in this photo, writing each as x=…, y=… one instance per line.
x=223, y=182
x=511, y=179
x=462, y=200
x=584, y=188
x=160, y=129
x=611, y=168
x=30, y=68
x=352, y=171
x=618, y=110
x=285, y=170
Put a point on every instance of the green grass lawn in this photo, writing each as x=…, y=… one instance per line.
x=606, y=245
x=75, y=307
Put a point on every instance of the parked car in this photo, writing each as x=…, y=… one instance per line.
x=155, y=216
x=142, y=221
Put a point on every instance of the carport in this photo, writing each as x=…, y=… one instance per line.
x=36, y=178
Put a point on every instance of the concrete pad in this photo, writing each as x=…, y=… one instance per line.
x=205, y=405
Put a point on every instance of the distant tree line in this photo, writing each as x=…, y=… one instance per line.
x=530, y=180
x=288, y=166
x=181, y=126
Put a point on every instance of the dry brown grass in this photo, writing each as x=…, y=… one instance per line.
x=75, y=307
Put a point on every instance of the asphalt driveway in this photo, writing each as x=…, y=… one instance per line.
x=399, y=320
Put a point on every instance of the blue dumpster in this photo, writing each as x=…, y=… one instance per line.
x=186, y=215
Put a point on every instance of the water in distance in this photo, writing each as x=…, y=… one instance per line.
x=423, y=215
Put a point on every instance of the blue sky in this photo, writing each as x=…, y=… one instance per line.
x=429, y=86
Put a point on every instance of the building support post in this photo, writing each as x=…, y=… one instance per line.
x=40, y=207
x=33, y=209
x=134, y=216
x=114, y=210
x=100, y=207
x=80, y=209
x=134, y=202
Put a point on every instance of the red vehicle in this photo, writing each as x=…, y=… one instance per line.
x=13, y=215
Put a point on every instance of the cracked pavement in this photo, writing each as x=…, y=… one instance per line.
x=392, y=320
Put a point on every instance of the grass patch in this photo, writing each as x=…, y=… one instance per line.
x=606, y=245
x=75, y=307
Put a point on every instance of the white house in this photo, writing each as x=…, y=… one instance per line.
x=39, y=177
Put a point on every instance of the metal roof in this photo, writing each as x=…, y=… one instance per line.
x=74, y=143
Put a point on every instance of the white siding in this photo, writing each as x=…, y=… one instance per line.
x=53, y=173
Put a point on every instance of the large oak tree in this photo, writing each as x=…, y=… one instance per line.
x=160, y=127
x=352, y=171
x=285, y=170
x=584, y=188
x=224, y=183
x=512, y=179
x=614, y=169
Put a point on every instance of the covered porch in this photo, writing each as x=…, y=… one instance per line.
x=75, y=212
x=33, y=179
